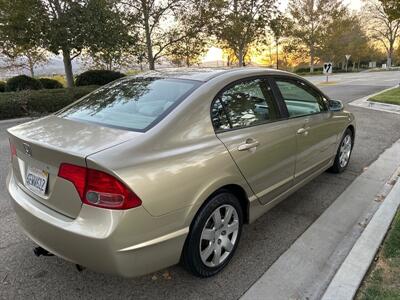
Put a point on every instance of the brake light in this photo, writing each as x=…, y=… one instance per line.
x=98, y=188
x=13, y=149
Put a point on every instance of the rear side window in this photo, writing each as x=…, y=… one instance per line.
x=133, y=103
x=246, y=103
x=300, y=100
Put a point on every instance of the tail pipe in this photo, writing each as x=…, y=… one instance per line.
x=38, y=251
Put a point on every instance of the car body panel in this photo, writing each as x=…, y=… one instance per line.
x=174, y=167
x=316, y=145
x=268, y=168
x=52, y=141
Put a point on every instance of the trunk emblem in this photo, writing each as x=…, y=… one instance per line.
x=27, y=149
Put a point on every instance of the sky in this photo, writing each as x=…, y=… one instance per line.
x=214, y=53
x=353, y=4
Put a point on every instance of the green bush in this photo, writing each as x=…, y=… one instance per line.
x=22, y=82
x=25, y=103
x=97, y=77
x=50, y=84
x=307, y=70
x=2, y=86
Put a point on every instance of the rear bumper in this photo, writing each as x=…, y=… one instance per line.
x=128, y=243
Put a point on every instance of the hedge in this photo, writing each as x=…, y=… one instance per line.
x=50, y=84
x=97, y=77
x=25, y=103
x=22, y=82
x=2, y=86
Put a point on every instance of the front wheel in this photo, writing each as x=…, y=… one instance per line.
x=214, y=236
x=343, y=153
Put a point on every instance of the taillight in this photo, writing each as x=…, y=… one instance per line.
x=98, y=188
x=13, y=150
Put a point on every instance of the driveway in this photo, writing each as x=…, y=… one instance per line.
x=23, y=275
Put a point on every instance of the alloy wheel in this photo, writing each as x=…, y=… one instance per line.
x=345, y=151
x=219, y=235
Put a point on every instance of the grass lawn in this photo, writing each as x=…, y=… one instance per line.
x=383, y=279
x=392, y=97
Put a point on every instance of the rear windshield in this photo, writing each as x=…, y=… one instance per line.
x=133, y=103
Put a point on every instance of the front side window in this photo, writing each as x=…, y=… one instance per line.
x=132, y=103
x=245, y=104
x=299, y=99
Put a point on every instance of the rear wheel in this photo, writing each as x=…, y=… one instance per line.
x=344, y=152
x=214, y=236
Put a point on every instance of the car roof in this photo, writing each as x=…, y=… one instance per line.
x=205, y=74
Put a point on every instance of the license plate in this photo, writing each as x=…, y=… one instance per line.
x=36, y=180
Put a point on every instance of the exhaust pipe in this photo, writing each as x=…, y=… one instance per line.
x=80, y=268
x=38, y=251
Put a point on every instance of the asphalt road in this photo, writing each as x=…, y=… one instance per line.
x=22, y=275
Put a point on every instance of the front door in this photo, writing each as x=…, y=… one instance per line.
x=314, y=124
x=248, y=121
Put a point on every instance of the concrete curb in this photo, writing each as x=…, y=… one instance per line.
x=364, y=103
x=351, y=273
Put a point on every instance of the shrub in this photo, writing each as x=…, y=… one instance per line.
x=50, y=84
x=2, y=86
x=22, y=82
x=97, y=77
x=307, y=70
x=24, y=103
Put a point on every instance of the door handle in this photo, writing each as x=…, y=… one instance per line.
x=249, y=144
x=303, y=130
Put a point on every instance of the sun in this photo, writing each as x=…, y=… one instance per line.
x=213, y=54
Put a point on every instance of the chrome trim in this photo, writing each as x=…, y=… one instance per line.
x=158, y=240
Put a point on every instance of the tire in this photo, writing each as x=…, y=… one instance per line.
x=345, y=148
x=206, y=240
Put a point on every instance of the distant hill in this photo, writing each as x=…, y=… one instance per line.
x=54, y=66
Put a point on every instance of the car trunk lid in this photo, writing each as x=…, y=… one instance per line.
x=42, y=145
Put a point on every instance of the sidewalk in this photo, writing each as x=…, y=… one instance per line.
x=351, y=273
x=306, y=269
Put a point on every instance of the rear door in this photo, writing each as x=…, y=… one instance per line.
x=314, y=124
x=248, y=121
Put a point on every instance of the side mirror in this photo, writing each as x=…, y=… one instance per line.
x=335, y=105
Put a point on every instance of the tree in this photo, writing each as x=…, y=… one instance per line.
x=189, y=50
x=392, y=8
x=311, y=20
x=191, y=27
x=21, y=26
x=241, y=23
x=110, y=43
x=158, y=22
x=25, y=59
x=279, y=26
x=382, y=27
x=147, y=15
x=344, y=36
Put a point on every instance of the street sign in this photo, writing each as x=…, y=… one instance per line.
x=327, y=69
x=347, y=60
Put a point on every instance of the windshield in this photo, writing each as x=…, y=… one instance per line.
x=132, y=103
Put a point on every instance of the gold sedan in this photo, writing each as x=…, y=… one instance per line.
x=167, y=166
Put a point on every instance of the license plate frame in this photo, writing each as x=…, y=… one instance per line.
x=36, y=180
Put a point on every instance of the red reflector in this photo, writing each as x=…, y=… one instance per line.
x=13, y=149
x=98, y=188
